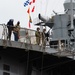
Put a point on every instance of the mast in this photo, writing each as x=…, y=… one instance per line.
x=71, y=5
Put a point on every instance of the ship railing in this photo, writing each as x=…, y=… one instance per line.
x=64, y=47
x=3, y=31
x=60, y=45
x=30, y=38
x=23, y=36
x=27, y=36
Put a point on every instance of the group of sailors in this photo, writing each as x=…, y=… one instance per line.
x=15, y=28
x=41, y=37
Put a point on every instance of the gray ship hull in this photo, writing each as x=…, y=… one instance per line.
x=22, y=61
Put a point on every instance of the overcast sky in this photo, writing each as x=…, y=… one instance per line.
x=15, y=9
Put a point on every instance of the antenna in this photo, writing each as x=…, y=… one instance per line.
x=71, y=5
x=54, y=12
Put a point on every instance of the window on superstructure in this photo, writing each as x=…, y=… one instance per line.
x=5, y=73
x=6, y=67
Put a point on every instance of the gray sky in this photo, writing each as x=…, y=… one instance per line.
x=14, y=9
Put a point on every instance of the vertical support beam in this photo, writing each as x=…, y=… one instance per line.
x=42, y=61
x=29, y=65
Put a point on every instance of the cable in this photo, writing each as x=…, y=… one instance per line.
x=46, y=6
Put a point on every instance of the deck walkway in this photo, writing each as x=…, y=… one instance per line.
x=34, y=47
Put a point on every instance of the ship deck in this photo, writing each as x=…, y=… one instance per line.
x=33, y=54
x=6, y=44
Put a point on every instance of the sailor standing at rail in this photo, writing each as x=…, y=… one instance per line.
x=38, y=36
x=16, y=31
x=10, y=28
x=44, y=38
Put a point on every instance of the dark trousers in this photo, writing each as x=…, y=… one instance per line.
x=15, y=36
x=9, y=33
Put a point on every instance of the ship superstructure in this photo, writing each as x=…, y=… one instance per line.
x=25, y=57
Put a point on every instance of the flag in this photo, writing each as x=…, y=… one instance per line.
x=29, y=24
x=28, y=11
x=33, y=1
x=26, y=3
x=30, y=20
x=29, y=17
x=30, y=3
x=33, y=9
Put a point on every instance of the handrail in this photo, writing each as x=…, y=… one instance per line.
x=4, y=32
